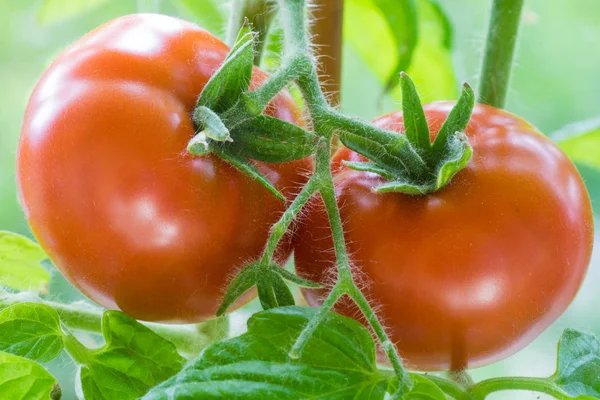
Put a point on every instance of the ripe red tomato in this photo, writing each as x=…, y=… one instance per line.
x=129, y=217
x=472, y=273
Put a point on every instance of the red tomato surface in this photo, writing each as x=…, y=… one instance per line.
x=129, y=217
x=472, y=273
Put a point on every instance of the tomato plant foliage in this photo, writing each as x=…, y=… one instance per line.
x=239, y=165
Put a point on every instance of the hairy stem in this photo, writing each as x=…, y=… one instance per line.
x=297, y=48
x=499, y=52
x=482, y=389
x=386, y=343
x=314, y=323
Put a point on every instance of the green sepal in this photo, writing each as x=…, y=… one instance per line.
x=458, y=155
x=233, y=76
x=296, y=280
x=449, y=153
x=273, y=292
x=368, y=167
x=269, y=139
x=270, y=283
x=457, y=119
x=415, y=123
x=244, y=280
x=380, y=146
x=245, y=166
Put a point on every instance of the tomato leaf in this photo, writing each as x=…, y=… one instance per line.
x=410, y=35
x=424, y=389
x=233, y=76
x=52, y=11
x=578, y=364
x=133, y=360
x=207, y=13
x=31, y=330
x=24, y=379
x=338, y=362
x=20, y=263
x=581, y=142
x=269, y=139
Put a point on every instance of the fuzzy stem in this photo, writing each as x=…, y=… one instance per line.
x=315, y=321
x=280, y=228
x=482, y=389
x=297, y=48
x=499, y=51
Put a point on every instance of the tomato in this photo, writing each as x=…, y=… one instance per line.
x=129, y=217
x=472, y=273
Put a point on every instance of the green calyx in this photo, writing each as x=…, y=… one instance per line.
x=230, y=124
x=441, y=160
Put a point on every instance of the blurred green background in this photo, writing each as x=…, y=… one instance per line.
x=556, y=81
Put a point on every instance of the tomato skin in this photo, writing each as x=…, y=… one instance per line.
x=470, y=274
x=129, y=217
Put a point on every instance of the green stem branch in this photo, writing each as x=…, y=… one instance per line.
x=280, y=228
x=482, y=389
x=499, y=52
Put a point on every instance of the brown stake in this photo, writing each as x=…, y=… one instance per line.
x=326, y=27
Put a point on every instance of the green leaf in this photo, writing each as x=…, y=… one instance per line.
x=245, y=166
x=269, y=139
x=133, y=360
x=393, y=25
x=424, y=389
x=23, y=379
x=52, y=11
x=233, y=76
x=410, y=35
x=20, y=263
x=578, y=366
x=31, y=330
x=338, y=363
x=208, y=14
x=431, y=66
x=581, y=142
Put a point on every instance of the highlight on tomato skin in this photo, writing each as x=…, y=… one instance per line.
x=126, y=215
x=472, y=273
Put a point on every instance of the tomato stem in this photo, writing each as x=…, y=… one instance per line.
x=297, y=50
x=499, y=51
x=280, y=228
x=482, y=389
